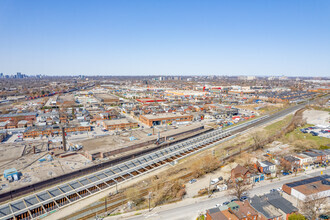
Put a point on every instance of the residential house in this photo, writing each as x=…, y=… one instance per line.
x=3, y=125
x=292, y=161
x=22, y=124
x=304, y=161
x=322, y=154
x=266, y=167
x=281, y=203
x=243, y=210
x=215, y=214
x=266, y=210
x=240, y=173
x=12, y=124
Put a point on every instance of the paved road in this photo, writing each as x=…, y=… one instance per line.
x=190, y=208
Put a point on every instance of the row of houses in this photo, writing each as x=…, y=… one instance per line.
x=259, y=172
x=271, y=206
x=308, y=159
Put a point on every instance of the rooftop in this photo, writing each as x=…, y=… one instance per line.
x=165, y=115
x=117, y=121
x=18, y=114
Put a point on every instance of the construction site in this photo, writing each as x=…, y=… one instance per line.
x=40, y=160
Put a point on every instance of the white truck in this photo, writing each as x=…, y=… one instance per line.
x=215, y=181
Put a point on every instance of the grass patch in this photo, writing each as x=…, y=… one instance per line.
x=273, y=128
x=114, y=214
x=201, y=217
x=138, y=213
x=307, y=140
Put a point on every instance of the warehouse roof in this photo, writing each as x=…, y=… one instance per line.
x=117, y=121
x=18, y=114
x=165, y=115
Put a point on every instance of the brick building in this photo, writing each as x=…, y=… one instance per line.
x=33, y=132
x=167, y=118
x=118, y=124
x=30, y=116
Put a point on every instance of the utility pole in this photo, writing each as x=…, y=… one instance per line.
x=106, y=200
x=63, y=138
x=149, y=197
x=208, y=191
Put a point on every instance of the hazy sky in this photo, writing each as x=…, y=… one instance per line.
x=247, y=37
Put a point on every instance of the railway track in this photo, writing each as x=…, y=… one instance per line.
x=42, y=203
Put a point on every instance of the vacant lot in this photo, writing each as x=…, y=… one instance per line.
x=317, y=117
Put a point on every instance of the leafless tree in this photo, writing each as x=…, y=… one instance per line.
x=313, y=205
x=257, y=140
x=239, y=188
x=133, y=194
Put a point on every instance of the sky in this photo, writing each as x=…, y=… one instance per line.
x=165, y=37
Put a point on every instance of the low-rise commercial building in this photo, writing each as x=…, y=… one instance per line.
x=315, y=187
x=167, y=118
x=119, y=124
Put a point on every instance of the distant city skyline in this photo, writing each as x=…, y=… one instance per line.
x=252, y=38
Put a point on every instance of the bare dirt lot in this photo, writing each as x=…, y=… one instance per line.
x=317, y=117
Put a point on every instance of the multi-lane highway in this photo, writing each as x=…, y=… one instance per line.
x=47, y=200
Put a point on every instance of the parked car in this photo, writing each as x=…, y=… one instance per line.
x=303, y=130
x=243, y=198
x=273, y=190
x=324, y=216
x=286, y=173
x=314, y=133
x=192, y=181
x=225, y=203
x=214, y=181
x=234, y=200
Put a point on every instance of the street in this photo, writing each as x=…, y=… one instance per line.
x=190, y=208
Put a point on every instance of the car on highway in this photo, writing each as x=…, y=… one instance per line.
x=192, y=181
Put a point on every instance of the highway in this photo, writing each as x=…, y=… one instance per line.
x=65, y=194
x=189, y=210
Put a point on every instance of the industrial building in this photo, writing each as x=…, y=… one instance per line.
x=106, y=98
x=33, y=132
x=18, y=117
x=318, y=187
x=119, y=124
x=167, y=118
